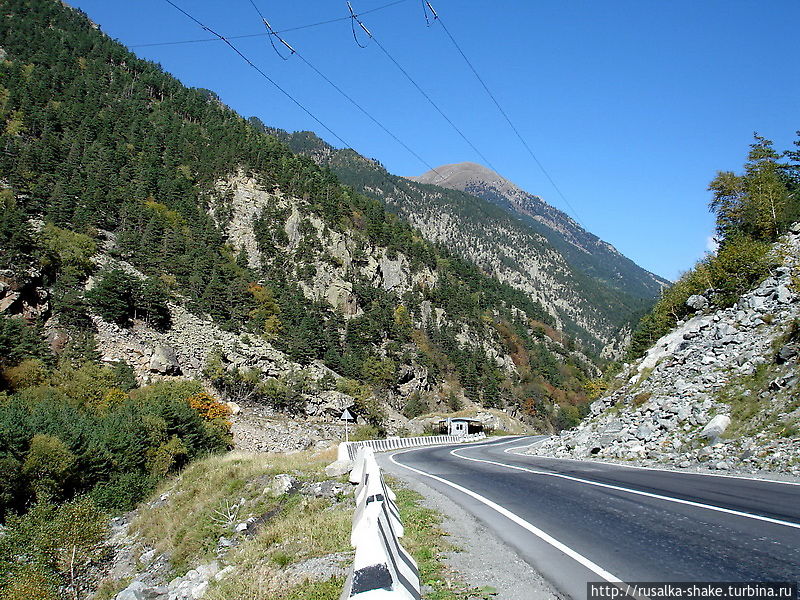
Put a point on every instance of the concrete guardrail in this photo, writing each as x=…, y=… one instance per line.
x=348, y=450
x=382, y=568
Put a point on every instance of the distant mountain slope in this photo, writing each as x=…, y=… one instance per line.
x=124, y=194
x=594, y=293
x=582, y=249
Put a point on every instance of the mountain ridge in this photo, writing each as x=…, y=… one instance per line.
x=485, y=183
x=506, y=244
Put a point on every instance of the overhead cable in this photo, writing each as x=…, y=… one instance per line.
x=436, y=17
x=261, y=72
x=356, y=19
x=276, y=35
x=252, y=35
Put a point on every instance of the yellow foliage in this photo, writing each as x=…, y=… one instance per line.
x=209, y=407
x=114, y=396
x=30, y=582
x=28, y=373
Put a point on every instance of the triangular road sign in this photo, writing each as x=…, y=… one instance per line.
x=348, y=416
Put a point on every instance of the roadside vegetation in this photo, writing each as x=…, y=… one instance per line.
x=752, y=211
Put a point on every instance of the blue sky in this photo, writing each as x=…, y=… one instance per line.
x=632, y=106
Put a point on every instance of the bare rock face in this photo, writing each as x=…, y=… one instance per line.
x=24, y=296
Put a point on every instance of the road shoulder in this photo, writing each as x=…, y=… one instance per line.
x=484, y=559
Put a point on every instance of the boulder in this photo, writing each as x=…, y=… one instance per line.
x=165, y=361
x=785, y=354
x=784, y=295
x=697, y=302
x=338, y=468
x=282, y=484
x=716, y=427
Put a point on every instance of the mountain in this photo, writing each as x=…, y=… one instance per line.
x=582, y=249
x=593, y=293
x=170, y=273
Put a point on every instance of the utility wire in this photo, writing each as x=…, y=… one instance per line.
x=252, y=35
x=436, y=17
x=355, y=103
x=355, y=18
x=264, y=75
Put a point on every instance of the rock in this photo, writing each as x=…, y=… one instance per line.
x=321, y=568
x=339, y=468
x=785, y=354
x=235, y=408
x=784, y=295
x=200, y=589
x=165, y=361
x=758, y=303
x=241, y=527
x=135, y=591
x=282, y=484
x=644, y=432
x=697, y=302
x=716, y=427
x=326, y=489
x=224, y=573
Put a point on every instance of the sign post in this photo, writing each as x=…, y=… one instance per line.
x=348, y=417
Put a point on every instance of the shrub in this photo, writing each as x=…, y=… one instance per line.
x=123, y=491
x=209, y=407
x=67, y=252
x=59, y=542
x=415, y=406
x=28, y=373
x=47, y=465
x=567, y=416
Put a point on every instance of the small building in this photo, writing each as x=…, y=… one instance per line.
x=459, y=426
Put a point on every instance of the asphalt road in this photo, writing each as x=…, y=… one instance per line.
x=576, y=521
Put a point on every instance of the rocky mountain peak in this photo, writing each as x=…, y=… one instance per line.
x=459, y=176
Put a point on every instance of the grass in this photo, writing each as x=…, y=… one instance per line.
x=212, y=495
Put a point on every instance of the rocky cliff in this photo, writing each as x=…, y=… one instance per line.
x=593, y=292
x=720, y=391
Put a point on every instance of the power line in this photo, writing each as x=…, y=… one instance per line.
x=436, y=17
x=264, y=75
x=355, y=18
x=252, y=35
x=272, y=33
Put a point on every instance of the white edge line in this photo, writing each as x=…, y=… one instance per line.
x=623, y=466
x=729, y=511
x=596, y=569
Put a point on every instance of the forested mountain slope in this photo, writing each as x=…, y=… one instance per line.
x=145, y=224
x=592, y=292
x=582, y=249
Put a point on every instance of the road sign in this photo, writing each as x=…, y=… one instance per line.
x=348, y=417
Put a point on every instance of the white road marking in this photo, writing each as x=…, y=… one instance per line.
x=630, y=491
x=613, y=464
x=596, y=569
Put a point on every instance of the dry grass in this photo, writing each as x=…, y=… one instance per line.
x=205, y=501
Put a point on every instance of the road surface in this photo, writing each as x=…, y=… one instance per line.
x=582, y=521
